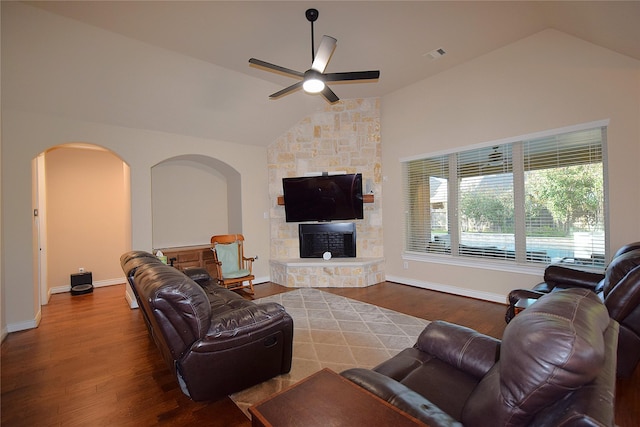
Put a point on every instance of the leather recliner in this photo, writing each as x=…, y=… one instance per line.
x=215, y=341
x=554, y=366
x=618, y=287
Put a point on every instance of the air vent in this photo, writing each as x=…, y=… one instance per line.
x=436, y=53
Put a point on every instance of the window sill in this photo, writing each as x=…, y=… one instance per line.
x=530, y=269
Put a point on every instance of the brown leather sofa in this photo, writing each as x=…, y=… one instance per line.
x=215, y=341
x=555, y=366
x=619, y=288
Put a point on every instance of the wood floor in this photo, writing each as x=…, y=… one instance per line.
x=91, y=363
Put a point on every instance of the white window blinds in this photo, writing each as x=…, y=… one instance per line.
x=564, y=194
x=539, y=200
x=426, y=202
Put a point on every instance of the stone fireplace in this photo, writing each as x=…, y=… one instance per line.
x=342, y=137
x=338, y=239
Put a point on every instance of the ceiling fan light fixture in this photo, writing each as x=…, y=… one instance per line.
x=313, y=85
x=314, y=80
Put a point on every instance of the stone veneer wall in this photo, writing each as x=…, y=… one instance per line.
x=317, y=273
x=342, y=137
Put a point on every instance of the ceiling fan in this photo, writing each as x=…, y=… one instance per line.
x=314, y=79
x=494, y=159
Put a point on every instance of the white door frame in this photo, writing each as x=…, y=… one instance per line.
x=40, y=228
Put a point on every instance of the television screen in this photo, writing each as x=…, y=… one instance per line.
x=323, y=198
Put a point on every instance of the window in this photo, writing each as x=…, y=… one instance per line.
x=536, y=200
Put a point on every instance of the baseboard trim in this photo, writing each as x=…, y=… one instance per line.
x=263, y=279
x=23, y=326
x=454, y=290
x=96, y=284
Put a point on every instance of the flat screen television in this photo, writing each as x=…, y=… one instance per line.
x=323, y=198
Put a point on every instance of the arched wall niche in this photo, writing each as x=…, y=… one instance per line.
x=194, y=197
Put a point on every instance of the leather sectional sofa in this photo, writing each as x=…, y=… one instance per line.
x=618, y=287
x=215, y=341
x=555, y=366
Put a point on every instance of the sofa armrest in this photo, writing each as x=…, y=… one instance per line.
x=400, y=396
x=461, y=347
x=518, y=294
x=557, y=275
x=245, y=320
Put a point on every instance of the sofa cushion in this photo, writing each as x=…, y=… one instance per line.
x=550, y=349
x=176, y=301
x=459, y=346
x=198, y=275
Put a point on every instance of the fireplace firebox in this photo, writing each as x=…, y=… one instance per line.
x=339, y=239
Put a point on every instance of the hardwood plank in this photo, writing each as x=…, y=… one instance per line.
x=90, y=362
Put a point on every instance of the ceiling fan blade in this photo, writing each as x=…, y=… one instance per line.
x=353, y=75
x=329, y=95
x=323, y=55
x=276, y=68
x=287, y=90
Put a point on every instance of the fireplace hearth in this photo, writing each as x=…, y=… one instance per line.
x=339, y=239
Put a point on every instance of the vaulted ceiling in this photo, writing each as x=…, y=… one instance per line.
x=394, y=37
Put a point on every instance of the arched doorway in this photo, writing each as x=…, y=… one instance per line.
x=82, y=215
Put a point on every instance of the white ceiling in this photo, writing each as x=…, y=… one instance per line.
x=391, y=36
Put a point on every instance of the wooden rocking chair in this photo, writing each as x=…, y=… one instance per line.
x=233, y=268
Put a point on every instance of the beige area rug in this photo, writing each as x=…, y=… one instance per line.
x=331, y=331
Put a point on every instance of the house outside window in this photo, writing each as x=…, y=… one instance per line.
x=533, y=200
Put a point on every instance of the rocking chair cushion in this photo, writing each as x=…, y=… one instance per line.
x=236, y=274
x=228, y=256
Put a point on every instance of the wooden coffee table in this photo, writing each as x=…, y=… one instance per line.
x=327, y=399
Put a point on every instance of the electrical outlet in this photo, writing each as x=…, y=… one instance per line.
x=405, y=265
x=81, y=270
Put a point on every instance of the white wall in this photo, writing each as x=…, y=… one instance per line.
x=546, y=81
x=27, y=134
x=46, y=64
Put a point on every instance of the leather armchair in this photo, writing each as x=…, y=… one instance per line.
x=554, y=366
x=618, y=287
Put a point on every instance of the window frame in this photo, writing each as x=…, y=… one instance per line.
x=514, y=265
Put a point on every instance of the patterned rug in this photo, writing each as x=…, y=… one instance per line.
x=331, y=331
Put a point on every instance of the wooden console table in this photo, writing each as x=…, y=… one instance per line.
x=327, y=399
x=191, y=256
